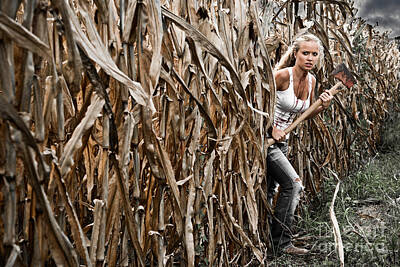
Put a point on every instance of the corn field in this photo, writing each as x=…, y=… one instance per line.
x=132, y=133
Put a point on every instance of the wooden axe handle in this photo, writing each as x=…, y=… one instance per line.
x=305, y=114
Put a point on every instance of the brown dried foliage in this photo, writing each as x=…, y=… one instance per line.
x=133, y=132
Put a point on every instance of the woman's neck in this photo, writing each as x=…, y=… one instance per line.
x=299, y=73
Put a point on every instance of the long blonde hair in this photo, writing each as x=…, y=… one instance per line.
x=288, y=58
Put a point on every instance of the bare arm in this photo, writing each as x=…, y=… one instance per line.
x=326, y=98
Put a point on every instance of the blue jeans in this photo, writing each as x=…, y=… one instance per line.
x=281, y=172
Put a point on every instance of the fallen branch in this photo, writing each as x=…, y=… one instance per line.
x=336, y=229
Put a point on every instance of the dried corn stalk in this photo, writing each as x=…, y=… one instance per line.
x=136, y=129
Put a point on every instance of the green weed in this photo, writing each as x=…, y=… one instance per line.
x=368, y=215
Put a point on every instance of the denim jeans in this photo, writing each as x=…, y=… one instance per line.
x=281, y=172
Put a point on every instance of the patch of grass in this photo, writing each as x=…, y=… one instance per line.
x=380, y=179
x=368, y=216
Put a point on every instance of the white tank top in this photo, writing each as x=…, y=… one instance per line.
x=288, y=105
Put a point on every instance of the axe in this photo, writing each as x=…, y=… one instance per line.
x=342, y=73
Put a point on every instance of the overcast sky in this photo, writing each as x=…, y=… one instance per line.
x=384, y=12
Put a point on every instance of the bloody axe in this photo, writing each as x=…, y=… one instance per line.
x=342, y=73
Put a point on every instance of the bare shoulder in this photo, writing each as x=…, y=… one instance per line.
x=282, y=79
x=282, y=74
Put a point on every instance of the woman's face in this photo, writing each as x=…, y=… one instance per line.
x=307, y=55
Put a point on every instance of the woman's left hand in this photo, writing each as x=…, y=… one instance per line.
x=326, y=98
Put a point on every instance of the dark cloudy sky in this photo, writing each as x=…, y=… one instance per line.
x=384, y=12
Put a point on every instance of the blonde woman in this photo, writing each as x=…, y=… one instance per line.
x=295, y=89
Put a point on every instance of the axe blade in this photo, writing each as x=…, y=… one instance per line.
x=342, y=73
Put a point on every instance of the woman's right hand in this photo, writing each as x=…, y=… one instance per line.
x=278, y=134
